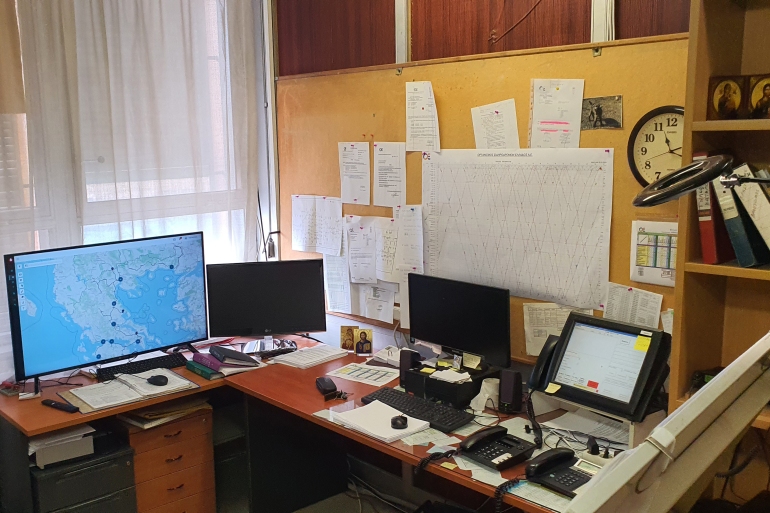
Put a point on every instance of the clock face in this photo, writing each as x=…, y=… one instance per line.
x=655, y=146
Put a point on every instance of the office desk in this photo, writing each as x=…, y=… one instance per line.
x=290, y=389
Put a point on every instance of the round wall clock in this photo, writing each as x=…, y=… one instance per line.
x=655, y=145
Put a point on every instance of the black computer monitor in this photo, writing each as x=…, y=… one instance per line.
x=87, y=305
x=610, y=366
x=266, y=298
x=461, y=317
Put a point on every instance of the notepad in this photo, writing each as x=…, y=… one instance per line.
x=374, y=420
x=130, y=388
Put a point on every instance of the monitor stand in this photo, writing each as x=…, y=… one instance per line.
x=31, y=395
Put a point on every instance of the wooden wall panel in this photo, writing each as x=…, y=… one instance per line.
x=642, y=18
x=322, y=35
x=317, y=112
x=447, y=28
x=11, y=82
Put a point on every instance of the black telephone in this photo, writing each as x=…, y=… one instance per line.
x=559, y=470
x=495, y=448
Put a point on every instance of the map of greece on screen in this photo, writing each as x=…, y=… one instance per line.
x=82, y=305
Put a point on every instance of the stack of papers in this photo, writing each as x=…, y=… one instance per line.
x=390, y=355
x=159, y=414
x=130, y=388
x=374, y=420
x=451, y=376
x=375, y=376
x=37, y=443
x=311, y=356
x=582, y=423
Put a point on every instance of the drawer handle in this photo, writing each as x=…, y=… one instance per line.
x=175, y=488
x=172, y=460
x=172, y=435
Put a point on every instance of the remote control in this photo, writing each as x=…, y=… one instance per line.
x=60, y=406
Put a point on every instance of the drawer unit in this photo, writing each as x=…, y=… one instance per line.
x=123, y=501
x=195, y=425
x=173, y=458
x=64, y=485
x=201, y=503
x=174, y=487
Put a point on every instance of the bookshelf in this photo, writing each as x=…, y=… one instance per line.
x=720, y=310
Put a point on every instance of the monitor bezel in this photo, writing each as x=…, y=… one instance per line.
x=279, y=263
x=13, y=307
x=592, y=399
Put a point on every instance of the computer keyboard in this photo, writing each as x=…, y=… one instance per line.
x=444, y=418
x=170, y=361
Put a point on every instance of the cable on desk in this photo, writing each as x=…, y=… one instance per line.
x=307, y=335
x=435, y=457
x=501, y=490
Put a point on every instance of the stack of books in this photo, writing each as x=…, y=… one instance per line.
x=221, y=362
x=159, y=414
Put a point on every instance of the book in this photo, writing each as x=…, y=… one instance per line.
x=311, y=356
x=130, y=388
x=202, y=370
x=750, y=248
x=159, y=414
x=232, y=357
x=714, y=241
x=212, y=363
x=754, y=199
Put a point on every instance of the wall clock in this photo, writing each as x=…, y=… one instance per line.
x=655, y=145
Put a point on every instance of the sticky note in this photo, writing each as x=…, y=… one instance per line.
x=442, y=363
x=428, y=370
x=642, y=343
x=450, y=466
x=471, y=361
x=552, y=388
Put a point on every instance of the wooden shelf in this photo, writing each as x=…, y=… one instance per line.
x=761, y=422
x=730, y=269
x=731, y=125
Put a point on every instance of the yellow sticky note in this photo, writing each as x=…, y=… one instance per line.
x=642, y=343
x=428, y=370
x=450, y=466
x=552, y=388
x=471, y=361
x=442, y=363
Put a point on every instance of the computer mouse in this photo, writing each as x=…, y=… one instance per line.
x=398, y=422
x=157, y=380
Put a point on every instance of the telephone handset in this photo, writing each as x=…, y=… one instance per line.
x=559, y=470
x=495, y=448
x=537, y=380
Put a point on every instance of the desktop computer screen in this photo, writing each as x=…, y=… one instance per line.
x=85, y=305
x=461, y=317
x=266, y=298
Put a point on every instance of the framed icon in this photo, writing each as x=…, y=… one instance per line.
x=759, y=97
x=363, y=340
x=726, y=97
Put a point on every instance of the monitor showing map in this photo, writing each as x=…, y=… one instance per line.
x=88, y=305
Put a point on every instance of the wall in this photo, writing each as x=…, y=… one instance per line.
x=11, y=83
x=641, y=18
x=320, y=35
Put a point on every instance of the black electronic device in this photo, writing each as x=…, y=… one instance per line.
x=444, y=418
x=609, y=366
x=60, y=406
x=510, y=391
x=495, y=448
x=537, y=379
x=266, y=298
x=408, y=359
x=461, y=317
x=559, y=470
x=169, y=361
x=399, y=422
x=158, y=380
x=325, y=385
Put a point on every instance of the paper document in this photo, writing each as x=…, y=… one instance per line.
x=389, y=173
x=374, y=420
x=629, y=304
x=403, y=293
x=451, y=376
x=129, y=388
x=375, y=376
x=495, y=126
x=653, y=252
x=533, y=492
x=379, y=304
x=386, y=239
x=542, y=320
x=557, y=106
x=354, y=172
x=423, y=437
x=589, y=423
x=488, y=476
x=316, y=224
x=311, y=356
x=667, y=320
x=409, y=247
x=487, y=215
x=422, y=132
x=337, y=280
x=361, y=250
x=74, y=433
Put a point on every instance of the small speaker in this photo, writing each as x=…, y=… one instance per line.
x=408, y=359
x=510, y=391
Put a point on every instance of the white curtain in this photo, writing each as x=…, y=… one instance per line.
x=141, y=121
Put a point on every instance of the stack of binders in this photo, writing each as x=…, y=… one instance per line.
x=221, y=362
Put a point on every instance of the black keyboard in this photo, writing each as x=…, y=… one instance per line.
x=444, y=418
x=170, y=361
x=269, y=353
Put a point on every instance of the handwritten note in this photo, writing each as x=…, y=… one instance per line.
x=316, y=224
x=495, y=126
x=386, y=238
x=557, y=106
x=361, y=250
x=409, y=246
x=354, y=172
x=389, y=173
x=422, y=132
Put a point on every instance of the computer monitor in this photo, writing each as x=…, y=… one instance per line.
x=266, y=298
x=461, y=317
x=610, y=366
x=677, y=462
x=87, y=305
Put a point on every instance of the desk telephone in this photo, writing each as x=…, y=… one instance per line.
x=561, y=471
x=495, y=448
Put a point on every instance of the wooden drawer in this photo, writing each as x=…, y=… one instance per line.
x=174, y=487
x=173, y=458
x=205, y=502
x=174, y=432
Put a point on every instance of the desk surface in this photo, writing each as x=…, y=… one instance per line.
x=286, y=387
